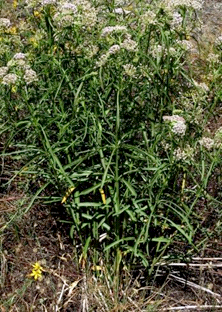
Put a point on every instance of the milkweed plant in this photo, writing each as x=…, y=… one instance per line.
x=101, y=102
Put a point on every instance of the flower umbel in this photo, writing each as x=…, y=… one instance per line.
x=36, y=271
x=177, y=123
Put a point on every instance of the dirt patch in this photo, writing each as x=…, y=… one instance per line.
x=39, y=237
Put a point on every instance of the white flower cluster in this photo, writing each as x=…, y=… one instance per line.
x=102, y=60
x=65, y=14
x=172, y=51
x=177, y=20
x=81, y=12
x=195, y=4
x=208, y=143
x=91, y=50
x=9, y=79
x=3, y=71
x=111, y=29
x=157, y=51
x=174, y=118
x=129, y=45
x=19, y=56
x=185, y=44
x=212, y=57
x=69, y=7
x=19, y=59
x=89, y=15
x=24, y=71
x=130, y=70
x=148, y=18
x=218, y=138
x=218, y=41
x=4, y=23
x=184, y=154
x=30, y=76
x=47, y=2
x=178, y=124
x=179, y=128
x=179, y=154
x=114, y=49
x=104, y=57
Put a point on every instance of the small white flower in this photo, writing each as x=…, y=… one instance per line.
x=179, y=154
x=121, y=11
x=19, y=56
x=218, y=41
x=92, y=50
x=69, y=7
x=9, y=79
x=157, y=51
x=214, y=58
x=16, y=62
x=186, y=44
x=114, y=49
x=172, y=51
x=129, y=45
x=63, y=20
x=178, y=124
x=110, y=29
x=30, y=76
x=4, y=23
x=208, y=143
x=149, y=17
x=45, y=2
x=177, y=20
x=195, y=4
x=174, y=118
x=130, y=70
x=184, y=154
x=102, y=61
x=3, y=71
x=179, y=128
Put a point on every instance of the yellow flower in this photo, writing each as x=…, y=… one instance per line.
x=12, y=30
x=15, y=4
x=34, y=42
x=37, y=266
x=37, y=14
x=36, y=271
x=14, y=89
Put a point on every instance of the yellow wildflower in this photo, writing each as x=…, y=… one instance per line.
x=12, y=30
x=37, y=14
x=15, y=4
x=14, y=89
x=36, y=271
x=34, y=42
